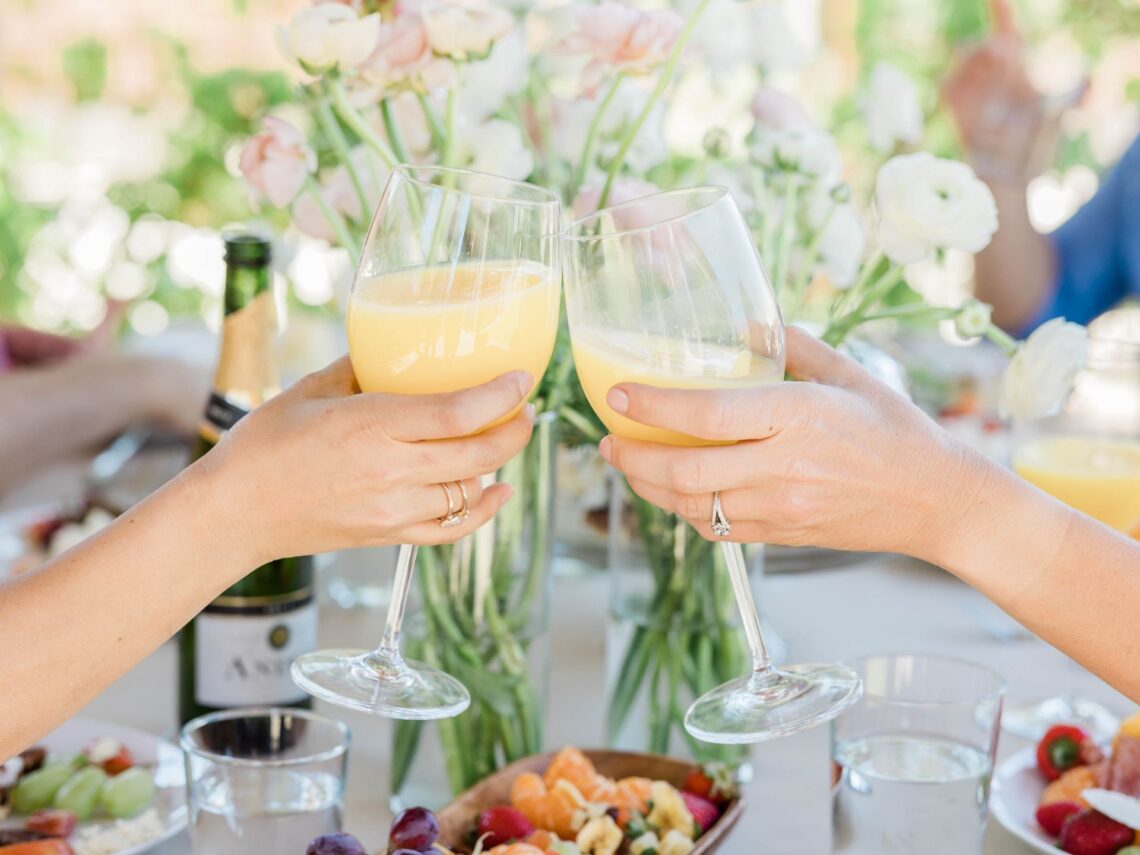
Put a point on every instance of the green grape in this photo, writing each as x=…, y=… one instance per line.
x=36, y=791
x=81, y=792
x=128, y=793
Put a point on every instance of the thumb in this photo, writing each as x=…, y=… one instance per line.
x=811, y=359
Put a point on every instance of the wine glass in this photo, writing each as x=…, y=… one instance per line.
x=1088, y=456
x=668, y=290
x=458, y=283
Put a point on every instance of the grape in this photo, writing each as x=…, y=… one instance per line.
x=81, y=792
x=128, y=793
x=415, y=828
x=36, y=791
x=336, y=844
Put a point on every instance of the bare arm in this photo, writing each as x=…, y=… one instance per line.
x=66, y=407
x=359, y=473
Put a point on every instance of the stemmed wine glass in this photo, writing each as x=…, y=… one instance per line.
x=668, y=290
x=458, y=283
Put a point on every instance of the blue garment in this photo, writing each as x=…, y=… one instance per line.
x=1098, y=250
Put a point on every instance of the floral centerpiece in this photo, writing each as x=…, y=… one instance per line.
x=574, y=98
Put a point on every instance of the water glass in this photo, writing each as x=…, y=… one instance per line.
x=915, y=756
x=263, y=780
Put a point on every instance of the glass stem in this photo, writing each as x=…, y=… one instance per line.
x=738, y=575
x=389, y=648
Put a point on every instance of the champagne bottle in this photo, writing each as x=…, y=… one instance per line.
x=238, y=651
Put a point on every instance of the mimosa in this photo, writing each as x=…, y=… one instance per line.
x=1100, y=477
x=439, y=329
x=604, y=359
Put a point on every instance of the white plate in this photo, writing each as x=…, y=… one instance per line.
x=164, y=760
x=1016, y=791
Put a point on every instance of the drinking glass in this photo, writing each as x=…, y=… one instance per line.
x=458, y=283
x=915, y=756
x=669, y=290
x=260, y=780
x=1088, y=456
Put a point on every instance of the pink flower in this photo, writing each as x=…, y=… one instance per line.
x=404, y=56
x=465, y=30
x=328, y=35
x=620, y=38
x=776, y=111
x=624, y=190
x=277, y=161
x=340, y=195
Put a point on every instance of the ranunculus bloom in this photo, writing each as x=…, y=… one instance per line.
x=841, y=245
x=891, y=108
x=973, y=318
x=1043, y=370
x=497, y=147
x=810, y=153
x=340, y=195
x=329, y=35
x=465, y=29
x=624, y=190
x=620, y=38
x=776, y=111
x=277, y=161
x=927, y=203
x=404, y=57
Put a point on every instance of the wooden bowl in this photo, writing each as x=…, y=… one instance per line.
x=458, y=818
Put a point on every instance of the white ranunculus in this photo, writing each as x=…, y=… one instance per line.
x=486, y=85
x=841, y=245
x=927, y=203
x=891, y=108
x=731, y=34
x=497, y=147
x=973, y=318
x=810, y=153
x=465, y=29
x=329, y=35
x=1043, y=370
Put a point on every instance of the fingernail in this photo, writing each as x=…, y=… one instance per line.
x=530, y=413
x=523, y=380
x=604, y=447
x=618, y=400
x=509, y=493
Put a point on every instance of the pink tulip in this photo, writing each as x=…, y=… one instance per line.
x=773, y=110
x=620, y=38
x=277, y=161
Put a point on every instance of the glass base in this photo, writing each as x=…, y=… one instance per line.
x=393, y=688
x=771, y=704
x=1031, y=721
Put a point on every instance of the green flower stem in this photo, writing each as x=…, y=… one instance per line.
x=393, y=131
x=796, y=296
x=662, y=84
x=921, y=312
x=839, y=329
x=856, y=291
x=335, y=220
x=336, y=137
x=435, y=129
x=787, y=232
x=584, y=425
x=592, y=136
x=1002, y=339
x=351, y=117
x=449, y=149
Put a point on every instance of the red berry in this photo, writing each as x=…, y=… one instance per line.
x=1092, y=833
x=703, y=811
x=698, y=783
x=502, y=824
x=121, y=762
x=714, y=781
x=1052, y=817
x=415, y=828
x=52, y=823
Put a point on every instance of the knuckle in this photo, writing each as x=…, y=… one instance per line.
x=693, y=507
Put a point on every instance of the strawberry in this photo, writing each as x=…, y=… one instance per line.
x=120, y=762
x=1051, y=817
x=1092, y=833
x=713, y=781
x=503, y=824
x=52, y=823
x=38, y=847
x=704, y=812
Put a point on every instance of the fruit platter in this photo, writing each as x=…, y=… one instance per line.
x=571, y=803
x=91, y=789
x=1071, y=794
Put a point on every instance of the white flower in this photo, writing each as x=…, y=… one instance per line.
x=327, y=35
x=927, y=203
x=487, y=84
x=497, y=147
x=810, y=153
x=891, y=108
x=465, y=29
x=776, y=111
x=731, y=34
x=1043, y=370
x=841, y=245
x=973, y=318
x=572, y=120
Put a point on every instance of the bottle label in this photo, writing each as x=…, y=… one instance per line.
x=243, y=654
x=221, y=414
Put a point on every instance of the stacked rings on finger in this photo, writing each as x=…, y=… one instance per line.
x=455, y=516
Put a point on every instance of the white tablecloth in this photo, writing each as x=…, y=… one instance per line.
x=885, y=605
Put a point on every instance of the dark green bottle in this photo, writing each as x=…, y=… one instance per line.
x=238, y=651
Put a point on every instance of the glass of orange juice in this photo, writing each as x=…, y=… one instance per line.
x=669, y=291
x=458, y=283
x=1088, y=456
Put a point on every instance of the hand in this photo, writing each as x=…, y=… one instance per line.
x=30, y=348
x=840, y=461
x=323, y=467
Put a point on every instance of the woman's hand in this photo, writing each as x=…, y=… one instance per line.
x=840, y=461
x=323, y=467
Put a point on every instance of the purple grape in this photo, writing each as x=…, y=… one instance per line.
x=416, y=829
x=405, y=852
x=335, y=844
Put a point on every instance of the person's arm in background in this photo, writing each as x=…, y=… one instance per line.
x=54, y=410
x=843, y=462
x=317, y=468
